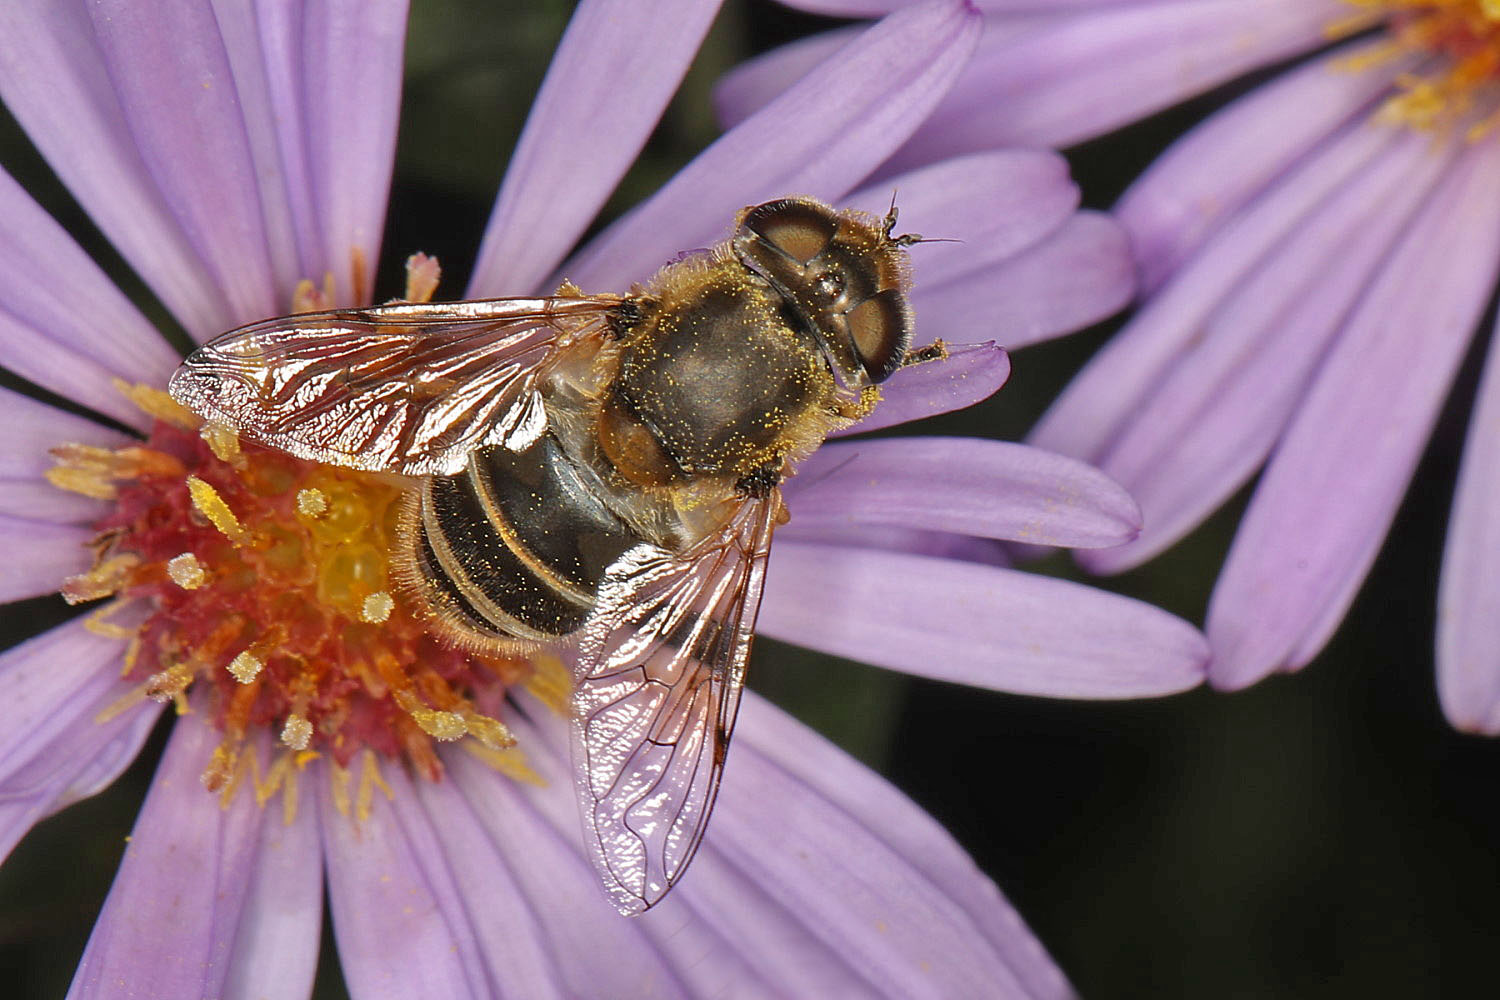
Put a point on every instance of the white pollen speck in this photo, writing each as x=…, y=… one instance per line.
x=377, y=607
x=186, y=571
x=245, y=667
x=312, y=502
x=297, y=732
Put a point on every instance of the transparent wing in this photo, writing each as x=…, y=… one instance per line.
x=407, y=387
x=661, y=667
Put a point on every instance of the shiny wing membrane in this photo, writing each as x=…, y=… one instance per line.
x=410, y=387
x=661, y=666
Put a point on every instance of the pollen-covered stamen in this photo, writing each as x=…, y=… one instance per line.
x=1459, y=86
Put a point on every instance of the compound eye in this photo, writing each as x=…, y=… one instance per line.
x=799, y=229
x=880, y=327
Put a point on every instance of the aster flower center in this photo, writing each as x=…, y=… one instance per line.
x=1460, y=83
x=265, y=580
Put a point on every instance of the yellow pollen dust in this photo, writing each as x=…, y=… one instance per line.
x=1460, y=88
x=186, y=571
x=377, y=607
x=297, y=733
x=312, y=502
x=246, y=667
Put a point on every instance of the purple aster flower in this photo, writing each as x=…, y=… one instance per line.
x=238, y=157
x=1315, y=259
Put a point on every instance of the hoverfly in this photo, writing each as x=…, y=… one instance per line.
x=600, y=470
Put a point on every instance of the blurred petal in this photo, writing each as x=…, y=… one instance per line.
x=27, y=430
x=39, y=555
x=171, y=925
x=969, y=486
x=1083, y=76
x=969, y=373
x=1327, y=497
x=614, y=71
x=55, y=80
x=1115, y=384
x=1209, y=174
x=405, y=933
x=170, y=71
x=848, y=809
x=63, y=324
x=1212, y=421
x=993, y=205
x=1079, y=275
x=752, y=85
x=1468, y=621
x=869, y=8
x=978, y=625
x=820, y=138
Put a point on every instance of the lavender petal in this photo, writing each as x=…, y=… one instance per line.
x=1216, y=169
x=169, y=68
x=1327, y=498
x=614, y=71
x=27, y=430
x=39, y=555
x=969, y=373
x=820, y=138
x=1086, y=75
x=54, y=79
x=1115, y=384
x=534, y=833
x=63, y=324
x=1214, y=418
x=868, y=846
x=405, y=933
x=1468, y=621
x=995, y=205
x=1079, y=275
x=975, y=624
x=275, y=949
x=319, y=88
x=172, y=916
x=993, y=489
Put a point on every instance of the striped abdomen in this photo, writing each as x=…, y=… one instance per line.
x=515, y=546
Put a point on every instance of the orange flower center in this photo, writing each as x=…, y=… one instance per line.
x=1460, y=83
x=264, y=581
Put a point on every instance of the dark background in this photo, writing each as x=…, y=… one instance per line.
x=1322, y=835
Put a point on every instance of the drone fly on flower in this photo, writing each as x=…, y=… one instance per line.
x=600, y=471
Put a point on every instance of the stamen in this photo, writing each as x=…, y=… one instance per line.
x=312, y=502
x=377, y=607
x=422, y=275
x=212, y=506
x=245, y=667
x=104, y=580
x=186, y=571
x=223, y=442
x=165, y=685
x=156, y=403
x=297, y=732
